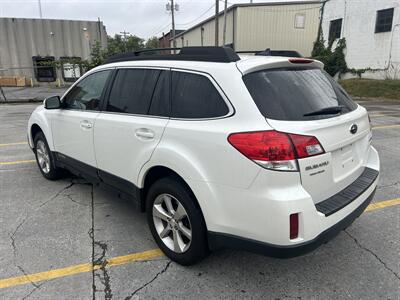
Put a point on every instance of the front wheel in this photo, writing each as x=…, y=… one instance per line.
x=175, y=221
x=45, y=158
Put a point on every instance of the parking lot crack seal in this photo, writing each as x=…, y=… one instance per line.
x=58, y=193
x=99, y=262
x=372, y=253
x=31, y=292
x=149, y=282
x=388, y=185
x=73, y=200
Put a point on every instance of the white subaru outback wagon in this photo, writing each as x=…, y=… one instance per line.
x=261, y=153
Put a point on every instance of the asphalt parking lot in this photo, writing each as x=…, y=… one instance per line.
x=52, y=233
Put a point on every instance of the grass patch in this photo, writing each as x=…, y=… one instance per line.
x=387, y=89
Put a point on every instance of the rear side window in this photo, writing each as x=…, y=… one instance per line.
x=132, y=91
x=290, y=94
x=194, y=96
x=160, y=104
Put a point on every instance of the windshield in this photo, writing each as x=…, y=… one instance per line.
x=292, y=94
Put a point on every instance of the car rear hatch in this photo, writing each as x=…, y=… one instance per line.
x=307, y=102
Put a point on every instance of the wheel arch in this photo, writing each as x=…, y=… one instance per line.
x=157, y=172
x=39, y=122
x=35, y=129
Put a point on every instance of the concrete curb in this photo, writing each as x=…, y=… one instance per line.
x=17, y=101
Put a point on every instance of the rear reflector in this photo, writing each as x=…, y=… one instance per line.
x=294, y=226
x=275, y=150
x=300, y=60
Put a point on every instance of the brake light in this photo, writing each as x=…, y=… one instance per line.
x=275, y=150
x=294, y=226
x=300, y=60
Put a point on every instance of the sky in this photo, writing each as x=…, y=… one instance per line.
x=144, y=18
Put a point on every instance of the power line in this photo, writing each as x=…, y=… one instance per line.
x=187, y=23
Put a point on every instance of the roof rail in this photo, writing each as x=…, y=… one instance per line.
x=269, y=52
x=211, y=54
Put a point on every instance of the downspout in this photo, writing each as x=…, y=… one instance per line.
x=391, y=46
x=234, y=27
x=321, y=19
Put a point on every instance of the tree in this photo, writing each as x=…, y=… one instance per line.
x=152, y=43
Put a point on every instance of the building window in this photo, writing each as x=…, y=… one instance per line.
x=299, y=21
x=384, y=20
x=44, y=68
x=71, y=69
x=335, y=28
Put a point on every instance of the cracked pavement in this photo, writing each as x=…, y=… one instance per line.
x=46, y=225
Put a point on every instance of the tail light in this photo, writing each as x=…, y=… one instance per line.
x=294, y=226
x=306, y=145
x=275, y=150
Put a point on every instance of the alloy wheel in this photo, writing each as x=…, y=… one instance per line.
x=172, y=223
x=43, y=156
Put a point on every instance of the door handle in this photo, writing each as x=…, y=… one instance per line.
x=144, y=133
x=86, y=124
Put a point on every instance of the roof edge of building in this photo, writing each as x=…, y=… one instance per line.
x=50, y=19
x=234, y=6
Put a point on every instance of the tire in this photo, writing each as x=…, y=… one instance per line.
x=175, y=226
x=45, y=158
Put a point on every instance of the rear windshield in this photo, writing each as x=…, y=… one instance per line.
x=290, y=94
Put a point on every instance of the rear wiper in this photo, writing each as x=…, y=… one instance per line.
x=326, y=111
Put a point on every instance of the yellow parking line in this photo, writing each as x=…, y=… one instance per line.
x=386, y=126
x=383, y=204
x=2, y=163
x=13, y=144
x=77, y=269
x=121, y=260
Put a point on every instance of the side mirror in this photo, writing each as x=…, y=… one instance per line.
x=52, y=102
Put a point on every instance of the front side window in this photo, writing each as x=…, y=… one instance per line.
x=194, y=96
x=132, y=91
x=86, y=94
x=335, y=29
x=384, y=20
x=294, y=94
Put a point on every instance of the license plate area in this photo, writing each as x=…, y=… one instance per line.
x=345, y=160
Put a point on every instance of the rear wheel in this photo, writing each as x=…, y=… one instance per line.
x=176, y=223
x=45, y=158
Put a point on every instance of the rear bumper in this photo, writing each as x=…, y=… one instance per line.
x=221, y=240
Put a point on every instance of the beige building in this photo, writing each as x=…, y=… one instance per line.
x=278, y=26
x=28, y=47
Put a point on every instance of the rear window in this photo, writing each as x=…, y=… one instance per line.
x=290, y=94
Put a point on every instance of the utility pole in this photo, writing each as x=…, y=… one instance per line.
x=224, y=32
x=125, y=35
x=216, y=22
x=40, y=9
x=172, y=8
